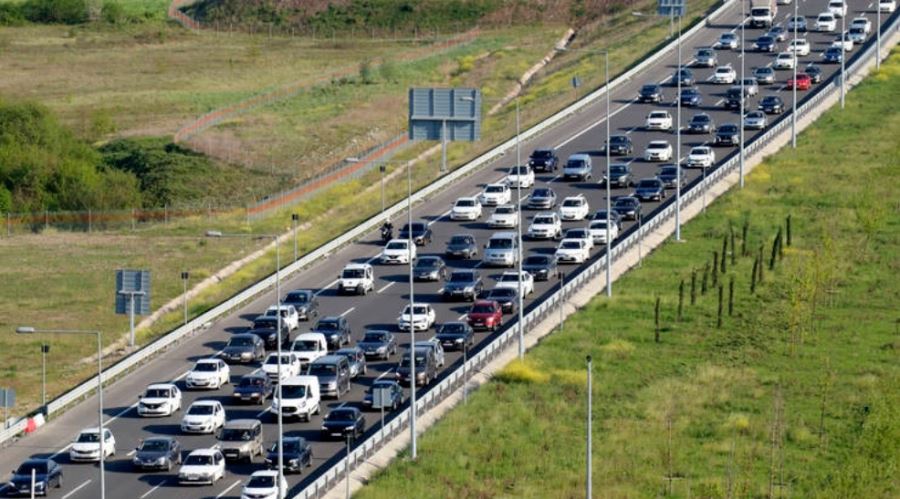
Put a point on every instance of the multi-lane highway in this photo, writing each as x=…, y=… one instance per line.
x=583, y=133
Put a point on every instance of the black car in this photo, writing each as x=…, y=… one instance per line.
x=700, y=123
x=814, y=72
x=620, y=175
x=628, y=206
x=456, y=336
x=421, y=233
x=651, y=189
x=766, y=43
x=461, y=246
x=620, y=145
x=462, y=284
x=343, y=422
x=508, y=298
x=686, y=75
x=378, y=343
x=297, y=454
x=270, y=336
x=543, y=160
x=728, y=135
x=391, y=395
x=157, y=453
x=254, y=387
x=305, y=301
x=244, y=348
x=690, y=97
x=542, y=267
x=542, y=198
x=336, y=330
x=833, y=55
x=429, y=268
x=650, y=93
x=614, y=216
x=47, y=473
x=668, y=174
x=771, y=104
x=733, y=98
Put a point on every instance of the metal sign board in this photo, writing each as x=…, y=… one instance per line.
x=7, y=397
x=381, y=397
x=455, y=112
x=134, y=283
x=576, y=82
x=676, y=8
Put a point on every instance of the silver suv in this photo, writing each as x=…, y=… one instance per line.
x=241, y=439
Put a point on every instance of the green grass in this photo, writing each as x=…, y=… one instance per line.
x=800, y=387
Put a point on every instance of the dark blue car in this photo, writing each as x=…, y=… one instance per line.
x=690, y=97
x=47, y=473
x=297, y=454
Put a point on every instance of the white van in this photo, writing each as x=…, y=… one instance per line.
x=501, y=250
x=309, y=347
x=301, y=398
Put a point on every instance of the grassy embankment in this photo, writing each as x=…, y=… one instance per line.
x=795, y=395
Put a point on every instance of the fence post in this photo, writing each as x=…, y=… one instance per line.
x=166, y=214
x=46, y=220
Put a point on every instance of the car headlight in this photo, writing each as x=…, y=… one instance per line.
x=294, y=462
x=381, y=349
x=161, y=460
x=136, y=460
x=331, y=384
x=458, y=340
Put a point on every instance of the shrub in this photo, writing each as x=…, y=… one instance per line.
x=519, y=371
x=56, y=11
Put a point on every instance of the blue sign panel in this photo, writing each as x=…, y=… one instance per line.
x=436, y=111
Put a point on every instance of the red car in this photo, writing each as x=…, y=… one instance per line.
x=485, y=314
x=804, y=81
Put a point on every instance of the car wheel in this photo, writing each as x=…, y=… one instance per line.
x=59, y=481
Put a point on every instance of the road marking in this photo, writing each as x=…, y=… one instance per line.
x=554, y=179
x=351, y=309
x=461, y=317
x=233, y=485
x=386, y=286
x=322, y=290
x=628, y=132
x=596, y=123
x=439, y=218
x=76, y=489
x=60, y=451
x=152, y=490
x=262, y=413
x=384, y=374
x=718, y=102
x=131, y=453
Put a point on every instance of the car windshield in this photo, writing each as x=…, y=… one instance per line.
x=88, y=437
x=198, y=460
x=459, y=240
x=306, y=346
x=206, y=367
x=465, y=203
x=723, y=70
x=728, y=129
x=293, y=391
x=700, y=118
x=648, y=89
x=375, y=337
x=396, y=245
x=764, y=71
x=502, y=293
x=508, y=278
x=618, y=139
x=700, y=150
x=705, y=53
x=155, y=446
x=618, y=169
x=157, y=393
x=765, y=39
x=577, y=234
x=689, y=92
x=626, y=203
x=494, y=189
x=575, y=163
x=541, y=154
x=541, y=193
x=252, y=381
x=537, y=260
x=500, y=243
x=453, y=327
x=25, y=468
x=545, y=220
x=521, y=170
x=669, y=170
x=600, y=224
x=297, y=297
x=482, y=309
x=420, y=360
x=327, y=326
x=273, y=359
x=322, y=369
x=658, y=114
x=658, y=145
x=572, y=203
x=771, y=100
x=291, y=446
x=462, y=277
x=417, y=310
x=427, y=262
x=341, y=415
x=353, y=273
x=235, y=435
x=261, y=481
x=570, y=245
x=243, y=341
x=648, y=184
x=505, y=210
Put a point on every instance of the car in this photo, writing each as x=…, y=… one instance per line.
x=263, y=484
x=301, y=396
x=700, y=123
x=508, y=298
x=685, y=75
x=705, y=58
x=778, y=33
x=542, y=198
x=495, y=194
x=290, y=366
x=202, y=466
x=309, y=346
x=863, y=23
x=461, y=246
x=733, y=98
x=765, y=43
x=520, y=177
x=437, y=350
x=771, y=104
x=356, y=357
x=619, y=175
x=620, y=145
x=304, y=301
x=800, y=46
x=837, y=7
x=241, y=439
x=344, y=422
x=887, y=6
x=751, y=86
x=160, y=399
x=422, y=317
x=455, y=336
x=485, y=314
x=764, y=75
x=378, y=344
x=826, y=22
x=467, y=208
x=430, y=268
x=574, y=208
x=390, y=395
x=86, y=446
x=336, y=330
x=297, y=454
x=157, y=453
x=843, y=41
x=690, y=97
x=650, y=93
x=803, y=82
x=669, y=176
x=288, y=313
x=728, y=40
x=542, y=267
x=814, y=72
x=857, y=34
x=796, y=23
x=359, y=278
x=545, y=225
x=266, y=327
x=628, y=207
x=245, y=348
x=727, y=135
x=501, y=250
x=208, y=374
x=658, y=150
x=578, y=167
x=463, y=284
x=658, y=120
x=572, y=251
x=253, y=387
x=755, y=120
x=833, y=55
x=724, y=75
x=45, y=474
x=420, y=232
x=785, y=60
x=511, y=278
x=598, y=230
x=650, y=189
x=543, y=160
x=700, y=157
x=398, y=251
x=505, y=216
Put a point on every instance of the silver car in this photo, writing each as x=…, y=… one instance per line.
x=706, y=58
x=764, y=75
x=755, y=120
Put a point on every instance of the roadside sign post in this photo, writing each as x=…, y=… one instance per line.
x=7, y=399
x=381, y=396
x=45, y=349
x=132, y=295
x=576, y=82
x=185, y=275
x=445, y=114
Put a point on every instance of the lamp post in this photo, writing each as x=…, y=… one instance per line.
x=185, y=275
x=33, y=330
x=743, y=97
x=794, y=87
x=295, y=219
x=412, y=328
x=843, y=54
x=521, y=297
x=45, y=349
x=562, y=284
x=382, y=169
x=878, y=37
x=588, y=470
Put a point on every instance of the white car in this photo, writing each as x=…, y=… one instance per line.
x=504, y=216
x=838, y=8
x=887, y=6
x=263, y=484
x=520, y=176
x=159, y=399
x=800, y=46
x=659, y=120
x=751, y=86
x=862, y=22
x=290, y=366
x=574, y=208
x=495, y=195
x=843, y=41
x=86, y=446
x=658, y=150
x=208, y=374
x=289, y=315
x=202, y=466
x=203, y=416
x=728, y=40
x=466, y=209
x=545, y=226
x=724, y=75
x=581, y=233
x=309, y=346
x=422, y=317
x=826, y=22
x=785, y=60
x=510, y=279
x=398, y=251
x=701, y=157
x=572, y=251
x=357, y=278
x=598, y=231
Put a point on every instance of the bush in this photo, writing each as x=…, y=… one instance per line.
x=519, y=371
x=11, y=14
x=56, y=11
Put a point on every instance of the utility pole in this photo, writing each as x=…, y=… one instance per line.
x=678, y=143
x=184, y=281
x=608, y=188
x=588, y=470
x=412, y=329
x=794, y=88
x=521, y=323
x=743, y=95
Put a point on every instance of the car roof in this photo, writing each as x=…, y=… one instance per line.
x=484, y=302
x=497, y=184
x=580, y=156
x=203, y=452
x=271, y=473
x=242, y=424
x=165, y=386
x=159, y=438
x=211, y=402
x=353, y=349
x=208, y=361
x=243, y=335
x=329, y=359
x=468, y=198
x=362, y=266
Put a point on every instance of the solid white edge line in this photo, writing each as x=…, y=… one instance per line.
x=233, y=485
x=76, y=489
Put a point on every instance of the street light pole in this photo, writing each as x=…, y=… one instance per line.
x=412, y=329
x=608, y=188
x=794, y=87
x=843, y=54
x=295, y=219
x=45, y=349
x=588, y=470
x=521, y=325
x=185, y=275
x=382, y=169
x=743, y=95
x=678, y=144
x=878, y=38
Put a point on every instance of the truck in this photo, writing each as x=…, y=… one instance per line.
x=762, y=13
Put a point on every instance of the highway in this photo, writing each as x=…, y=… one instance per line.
x=583, y=133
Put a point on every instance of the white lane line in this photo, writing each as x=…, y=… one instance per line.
x=233, y=485
x=152, y=490
x=628, y=132
x=554, y=179
x=323, y=289
x=386, y=286
x=439, y=218
x=261, y=413
x=718, y=102
x=384, y=374
x=461, y=317
x=351, y=309
x=596, y=123
x=60, y=451
x=131, y=453
x=870, y=5
x=76, y=489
